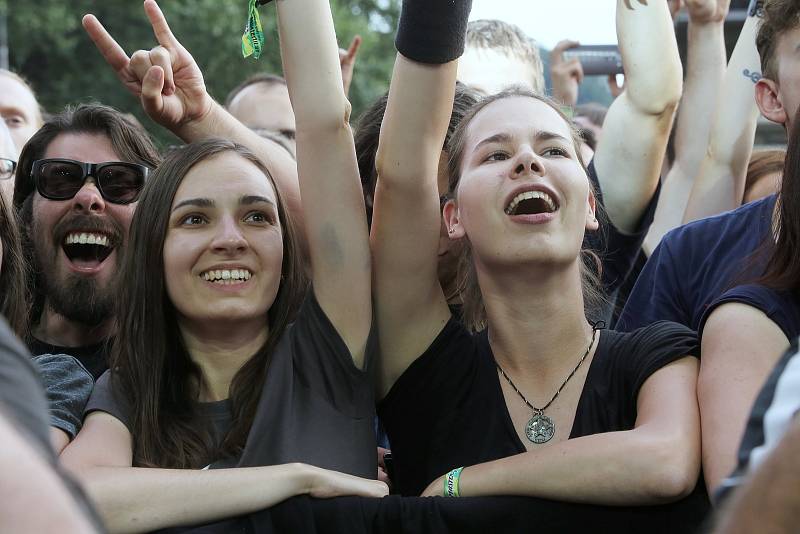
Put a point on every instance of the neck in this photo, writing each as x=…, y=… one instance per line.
x=536, y=317
x=220, y=350
x=55, y=329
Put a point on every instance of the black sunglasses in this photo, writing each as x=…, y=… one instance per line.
x=60, y=179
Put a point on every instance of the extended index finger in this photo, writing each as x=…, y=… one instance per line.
x=163, y=34
x=112, y=52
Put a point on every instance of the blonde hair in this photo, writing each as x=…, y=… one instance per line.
x=511, y=40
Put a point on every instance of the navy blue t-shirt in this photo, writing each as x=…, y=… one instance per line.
x=782, y=307
x=696, y=263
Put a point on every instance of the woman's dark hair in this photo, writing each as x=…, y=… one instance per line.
x=130, y=142
x=762, y=163
x=368, y=132
x=150, y=364
x=13, y=273
x=783, y=268
x=474, y=312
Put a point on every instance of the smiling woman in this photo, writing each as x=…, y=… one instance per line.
x=232, y=386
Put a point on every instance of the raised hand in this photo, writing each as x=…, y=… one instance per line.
x=166, y=78
x=347, y=61
x=707, y=11
x=566, y=75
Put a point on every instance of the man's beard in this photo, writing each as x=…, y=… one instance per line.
x=78, y=298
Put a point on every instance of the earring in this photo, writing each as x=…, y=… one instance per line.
x=451, y=231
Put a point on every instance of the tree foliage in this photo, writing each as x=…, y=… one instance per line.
x=48, y=46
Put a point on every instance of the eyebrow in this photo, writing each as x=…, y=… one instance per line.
x=541, y=135
x=246, y=200
x=198, y=202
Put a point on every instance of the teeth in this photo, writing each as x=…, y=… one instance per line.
x=227, y=276
x=528, y=195
x=83, y=238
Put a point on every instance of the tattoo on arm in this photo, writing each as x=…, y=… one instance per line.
x=752, y=76
x=756, y=8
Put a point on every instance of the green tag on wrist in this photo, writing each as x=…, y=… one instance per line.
x=253, y=37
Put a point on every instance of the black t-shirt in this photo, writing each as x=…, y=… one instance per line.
x=447, y=410
x=93, y=357
x=316, y=407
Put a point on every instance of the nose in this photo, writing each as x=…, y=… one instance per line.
x=528, y=162
x=229, y=238
x=88, y=198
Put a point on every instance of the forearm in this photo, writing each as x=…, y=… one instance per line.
x=719, y=185
x=310, y=56
x=413, y=129
x=614, y=468
x=141, y=500
x=704, y=76
x=653, y=73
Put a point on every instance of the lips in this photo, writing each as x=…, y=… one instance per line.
x=534, y=199
x=87, y=241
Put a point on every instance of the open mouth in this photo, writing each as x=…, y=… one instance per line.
x=226, y=276
x=531, y=203
x=87, y=249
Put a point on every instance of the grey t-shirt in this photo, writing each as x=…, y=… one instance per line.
x=22, y=401
x=316, y=407
x=68, y=385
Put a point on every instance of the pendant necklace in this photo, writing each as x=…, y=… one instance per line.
x=540, y=428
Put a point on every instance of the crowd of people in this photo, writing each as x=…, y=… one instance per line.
x=480, y=308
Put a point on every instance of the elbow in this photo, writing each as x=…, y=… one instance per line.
x=674, y=474
x=662, y=105
x=659, y=99
x=322, y=122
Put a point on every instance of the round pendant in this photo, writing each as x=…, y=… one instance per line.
x=540, y=428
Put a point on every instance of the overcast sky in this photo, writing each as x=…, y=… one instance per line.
x=588, y=21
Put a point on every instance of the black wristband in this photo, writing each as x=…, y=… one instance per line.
x=432, y=31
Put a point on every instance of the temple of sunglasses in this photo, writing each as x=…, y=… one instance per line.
x=117, y=181
x=7, y=168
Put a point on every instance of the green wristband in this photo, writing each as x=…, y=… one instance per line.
x=451, y=483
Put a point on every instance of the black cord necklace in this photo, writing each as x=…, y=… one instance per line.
x=540, y=428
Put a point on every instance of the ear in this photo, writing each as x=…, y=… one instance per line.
x=769, y=102
x=591, y=214
x=451, y=220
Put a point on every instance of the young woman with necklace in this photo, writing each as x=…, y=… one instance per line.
x=526, y=397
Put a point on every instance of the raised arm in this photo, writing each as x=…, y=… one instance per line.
x=143, y=499
x=637, y=126
x=170, y=86
x=333, y=203
x=410, y=305
x=706, y=70
x=720, y=183
x=650, y=464
x=740, y=347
